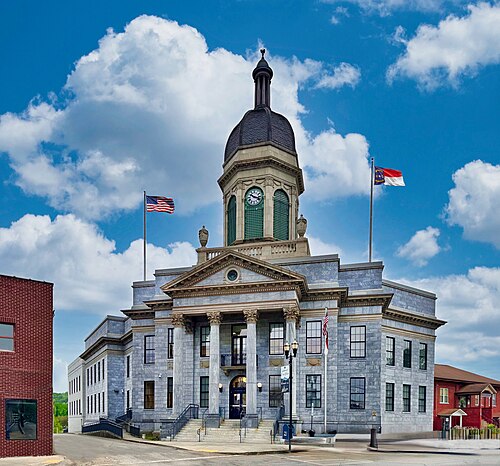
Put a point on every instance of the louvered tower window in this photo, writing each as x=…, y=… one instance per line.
x=231, y=220
x=281, y=215
x=254, y=213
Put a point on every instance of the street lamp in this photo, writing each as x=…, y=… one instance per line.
x=290, y=355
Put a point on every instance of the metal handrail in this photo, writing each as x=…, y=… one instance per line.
x=222, y=409
x=279, y=417
x=204, y=420
x=235, y=359
x=191, y=411
x=243, y=422
x=260, y=414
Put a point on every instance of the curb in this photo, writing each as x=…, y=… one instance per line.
x=427, y=452
x=219, y=452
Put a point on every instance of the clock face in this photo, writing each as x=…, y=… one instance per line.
x=254, y=196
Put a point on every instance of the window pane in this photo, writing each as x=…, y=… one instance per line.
x=276, y=338
x=313, y=391
x=389, y=350
x=407, y=354
x=6, y=344
x=406, y=398
x=358, y=342
x=357, y=396
x=313, y=337
x=149, y=349
x=204, y=392
x=422, y=399
x=389, y=397
x=423, y=356
x=21, y=419
x=275, y=395
x=6, y=330
x=149, y=395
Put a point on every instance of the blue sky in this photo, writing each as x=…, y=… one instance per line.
x=101, y=100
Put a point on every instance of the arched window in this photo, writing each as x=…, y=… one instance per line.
x=231, y=220
x=254, y=213
x=281, y=215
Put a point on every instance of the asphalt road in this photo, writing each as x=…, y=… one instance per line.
x=87, y=450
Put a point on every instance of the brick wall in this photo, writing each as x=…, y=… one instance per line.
x=26, y=373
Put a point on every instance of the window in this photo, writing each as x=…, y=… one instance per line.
x=407, y=353
x=231, y=221
x=390, y=344
x=170, y=343
x=149, y=394
x=149, y=349
x=494, y=399
x=443, y=396
x=128, y=366
x=281, y=215
x=276, y=338
x=313, y=391
x=275, y=395
x=95, y=373
x=254, y=213
x=103, y=369
x=99, y=371
x=98, y=402
x=406, y=398
x=389, y=397
x=422, y=395
x=358, y=342
x=205, y=341
x=313, y=337
x=128, y=399
x=6, y=337
x=204, y=392
x=170, y=392
x=357, y=397
x=422, y=353
x=21, y=419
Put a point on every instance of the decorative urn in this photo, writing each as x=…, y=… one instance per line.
x=203, y=236
x=301, y=226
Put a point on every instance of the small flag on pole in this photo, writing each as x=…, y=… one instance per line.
x=160, y=204
x=388, y=176
x=325, y=330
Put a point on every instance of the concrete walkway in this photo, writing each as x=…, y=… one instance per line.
x=243, y=448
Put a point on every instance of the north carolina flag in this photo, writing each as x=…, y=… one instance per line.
x=388, y=176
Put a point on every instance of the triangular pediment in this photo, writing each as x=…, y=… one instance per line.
x=214, y=274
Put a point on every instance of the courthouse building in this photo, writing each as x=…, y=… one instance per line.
x=212, y=334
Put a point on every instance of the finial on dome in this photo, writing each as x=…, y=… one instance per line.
x=262, y=75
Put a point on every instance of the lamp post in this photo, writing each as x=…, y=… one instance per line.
x=290, y=355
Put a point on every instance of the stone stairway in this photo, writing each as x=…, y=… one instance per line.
x=229, y=432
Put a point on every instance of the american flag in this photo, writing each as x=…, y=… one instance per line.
x=160, y=204
x=325, y=330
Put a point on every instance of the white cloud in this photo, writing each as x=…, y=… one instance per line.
x=319, y=247
x=87, y=271
x=150, y=108
x=456, y=47
x=338, y=13
x=421, y=247
x=342, y=75
x=470, y=305
x=473, y=202
x=386, y=7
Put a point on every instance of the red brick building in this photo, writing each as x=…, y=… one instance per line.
x=26, y=314
x=464, y=398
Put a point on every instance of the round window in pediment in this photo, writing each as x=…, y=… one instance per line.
x=232, y=275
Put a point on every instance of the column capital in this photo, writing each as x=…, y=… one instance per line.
x=178, y=319
x=214, y=317
x=291, y=313
x=251, y=315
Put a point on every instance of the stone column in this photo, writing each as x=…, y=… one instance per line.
x=215, y=319
x=179, y=325
x=268, y=207
x=251, y=410
x=292, y=316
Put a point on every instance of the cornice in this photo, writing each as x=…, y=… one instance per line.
x=137, y=314
x=405, y=332
x=268, y=161
x=105, y=340
x=413, y=319
x=367, y=300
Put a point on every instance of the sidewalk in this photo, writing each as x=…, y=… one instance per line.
x=221, y=448
x=35, y=461
x=438, y=444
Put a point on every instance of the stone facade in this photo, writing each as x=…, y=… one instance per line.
x=214, y=334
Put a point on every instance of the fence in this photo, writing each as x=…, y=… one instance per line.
x=472, y=433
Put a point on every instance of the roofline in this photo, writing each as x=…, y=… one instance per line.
x=410, y=289
x=490, y=380
x=108, y=317
x=362, y=266
x=26, y=279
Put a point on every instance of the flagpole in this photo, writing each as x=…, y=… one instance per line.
x=326, y=371
x=371, y=211
x=144, y=237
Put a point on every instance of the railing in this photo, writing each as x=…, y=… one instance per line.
x=222, y=412
x=243, y=424
x=235, y=359
x=172, y=428
x=279, y=417
x=259, y=409
x=472, y=433
x=127, y=416
x=134, y=430
x=104, y=425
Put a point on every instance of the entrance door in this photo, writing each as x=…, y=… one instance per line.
x=237, y=397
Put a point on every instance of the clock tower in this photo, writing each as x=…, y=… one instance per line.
x=262, y=180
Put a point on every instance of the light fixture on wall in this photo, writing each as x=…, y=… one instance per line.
x=259, y=386
x=220, y=387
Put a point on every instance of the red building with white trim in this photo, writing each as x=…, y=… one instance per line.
x=465, y=398
x=26, y=314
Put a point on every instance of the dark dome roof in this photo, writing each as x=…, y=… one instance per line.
x=259, y=126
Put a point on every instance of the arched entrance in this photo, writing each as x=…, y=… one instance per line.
x=237, y=396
